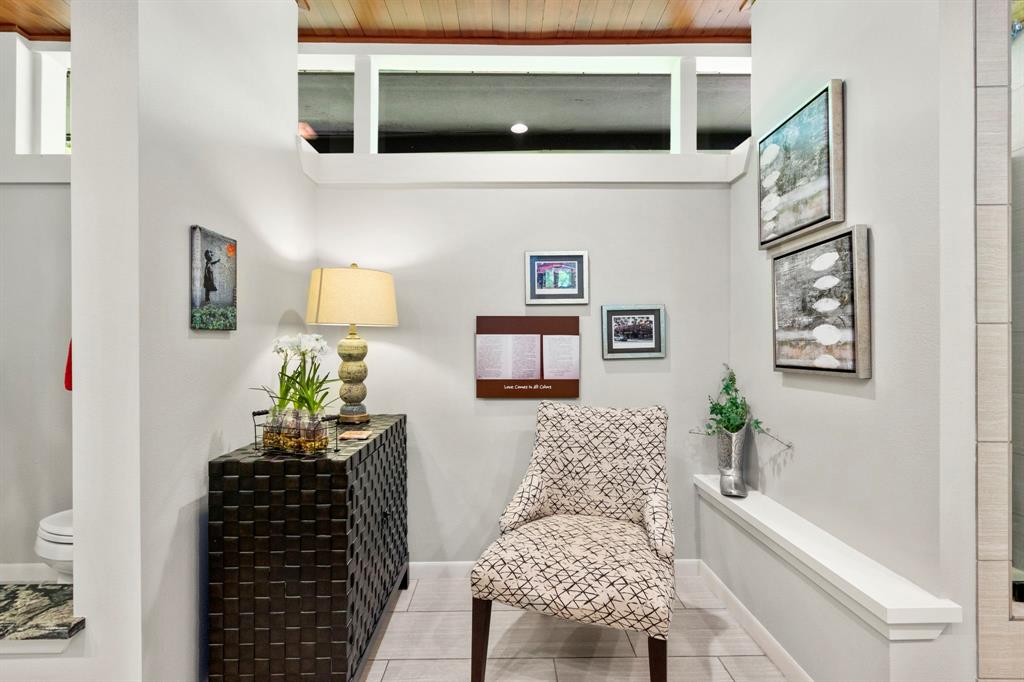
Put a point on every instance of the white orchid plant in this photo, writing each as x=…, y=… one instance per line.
x=302, y=387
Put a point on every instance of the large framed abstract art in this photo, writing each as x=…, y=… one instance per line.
x=822, y=306
x=801, y=173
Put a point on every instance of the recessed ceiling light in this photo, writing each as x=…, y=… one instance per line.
x=519, y=128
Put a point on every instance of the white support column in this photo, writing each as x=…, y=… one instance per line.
x=20, y=160
x=36, y=128
x=365, y=101
x=683, y=125
x=105, y=277
x=8, y=86
x=49, y=79
x=24, y=100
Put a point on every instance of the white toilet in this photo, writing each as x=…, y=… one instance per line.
x=55, y=543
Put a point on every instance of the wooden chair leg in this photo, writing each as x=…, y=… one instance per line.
x=481, y=631
x=657, y=654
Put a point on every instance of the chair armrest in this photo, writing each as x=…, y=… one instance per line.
x=526, y=504
x=657, y=521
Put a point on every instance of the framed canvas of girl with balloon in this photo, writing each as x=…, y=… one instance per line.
x=214, y=279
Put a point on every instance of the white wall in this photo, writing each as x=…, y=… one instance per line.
x=815, y=629
x=887, y=464
x=457, y=253
x=35, y=325
x=186, y=113
x=160, y=144
x=35, y=317
x=35, y=307
x=217, y=116
x=893, y=150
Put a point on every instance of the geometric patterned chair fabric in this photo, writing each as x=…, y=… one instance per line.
x=588, y=535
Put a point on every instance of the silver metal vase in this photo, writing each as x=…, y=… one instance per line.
x=730, y=462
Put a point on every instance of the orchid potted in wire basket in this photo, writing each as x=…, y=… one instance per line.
x=295, y=422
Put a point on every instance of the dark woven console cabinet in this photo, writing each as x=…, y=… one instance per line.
x=304, y=553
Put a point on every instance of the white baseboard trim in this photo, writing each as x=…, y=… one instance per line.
x=440, y=570
x=786, y=664
x=28, y=573
x=687, y=567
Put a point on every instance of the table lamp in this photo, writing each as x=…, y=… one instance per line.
x=352, y=296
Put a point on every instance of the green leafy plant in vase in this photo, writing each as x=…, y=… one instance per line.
x=730, y=421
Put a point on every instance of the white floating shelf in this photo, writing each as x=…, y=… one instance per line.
x=891, y=604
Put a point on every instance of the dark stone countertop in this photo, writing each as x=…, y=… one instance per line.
x=38, y=611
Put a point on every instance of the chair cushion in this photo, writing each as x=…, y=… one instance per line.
x=589, y=569
x=599, y=461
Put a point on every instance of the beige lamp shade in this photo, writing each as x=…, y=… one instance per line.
x=352, y=295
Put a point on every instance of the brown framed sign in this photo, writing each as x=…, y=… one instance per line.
x=527, y=357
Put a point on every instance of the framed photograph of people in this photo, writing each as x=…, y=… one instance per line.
x=822, y=306
x=557, y=277
x=630, y=332
x=801, y=169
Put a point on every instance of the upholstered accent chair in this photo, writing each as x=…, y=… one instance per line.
x=588, y=535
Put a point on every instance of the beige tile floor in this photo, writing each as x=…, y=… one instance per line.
x=425, y=637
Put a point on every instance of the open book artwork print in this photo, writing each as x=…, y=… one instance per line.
x=519, y=356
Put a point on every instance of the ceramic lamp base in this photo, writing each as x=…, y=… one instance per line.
x=352, y=372
x=354, y=418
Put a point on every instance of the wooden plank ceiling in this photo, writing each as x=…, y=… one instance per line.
x=525, y=21
x=467, y=21
x=37, y=19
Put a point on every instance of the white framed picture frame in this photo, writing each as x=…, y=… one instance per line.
x=801, y=166
x=557, y=277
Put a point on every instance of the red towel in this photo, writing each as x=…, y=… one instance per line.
x=67, y=370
